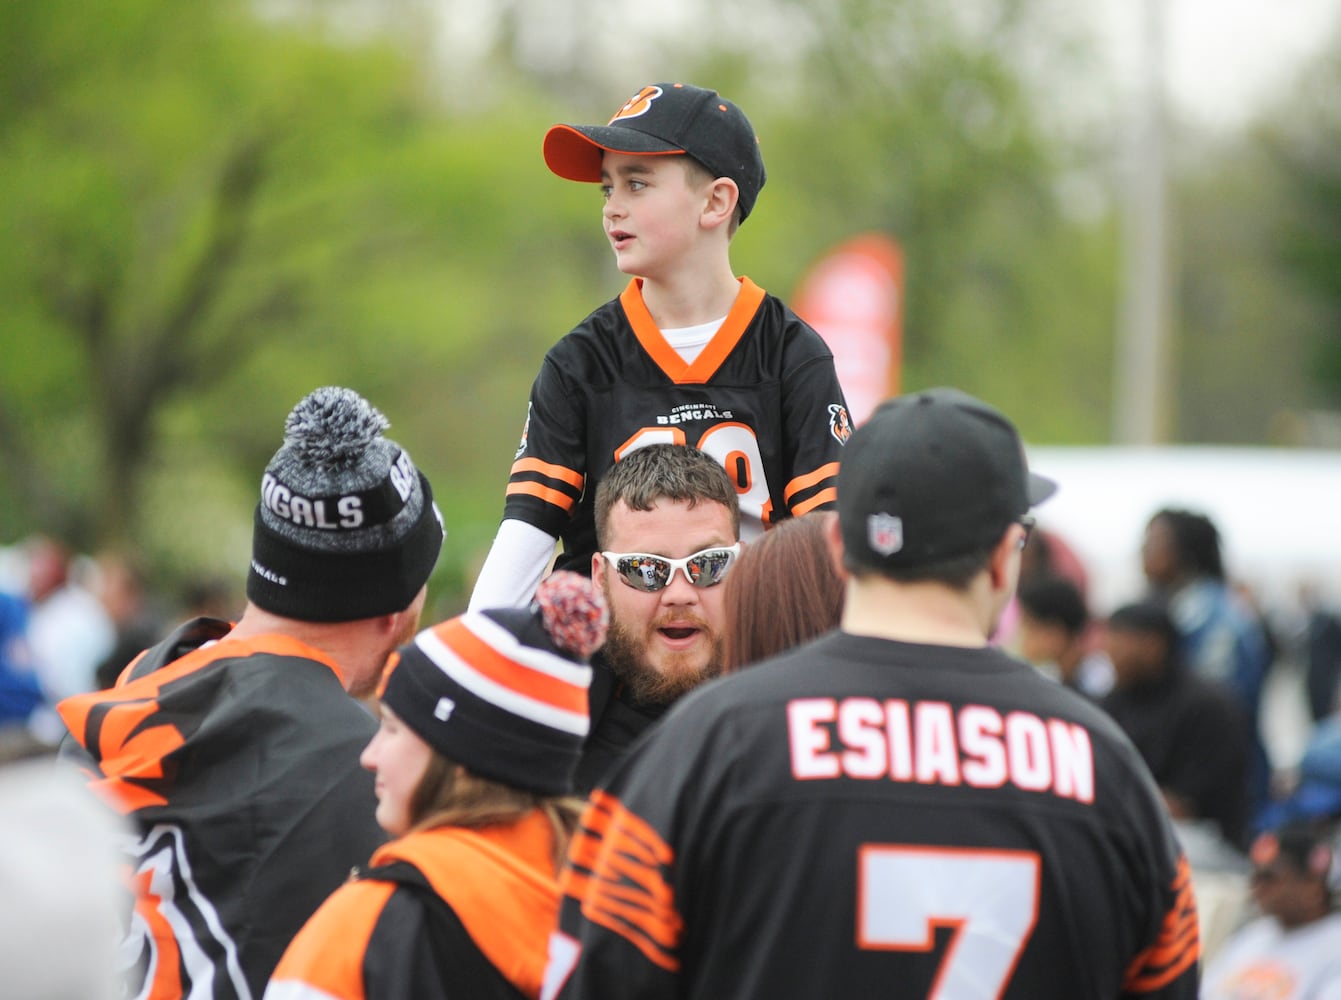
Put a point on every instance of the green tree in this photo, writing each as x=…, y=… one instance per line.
x=205, y=215
x=1303, y=137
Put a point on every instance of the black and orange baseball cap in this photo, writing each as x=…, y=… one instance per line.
x=666, y=118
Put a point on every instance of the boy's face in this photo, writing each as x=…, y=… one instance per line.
x=653, y=207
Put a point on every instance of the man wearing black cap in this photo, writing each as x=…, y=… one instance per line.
x=233, y=748
x=899, y=808
x=689, y=353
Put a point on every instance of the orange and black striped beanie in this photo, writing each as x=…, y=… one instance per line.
x=504, y=692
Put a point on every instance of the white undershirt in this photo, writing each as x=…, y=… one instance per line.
x=689, y=341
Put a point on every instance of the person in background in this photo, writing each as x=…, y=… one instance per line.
x=1055, y=635
x=233, y=749
x=785, y=589
x=21, y=694
x=1292, y=951
x=70, y=631
x=668, y=521
x=1175, y=717
x=1321, y=650
x=483, y=718
x=124, y=592
x=1222, y=639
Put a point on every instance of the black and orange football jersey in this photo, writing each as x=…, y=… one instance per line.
x=237, y=763
x=762, y=397
x=868, y=818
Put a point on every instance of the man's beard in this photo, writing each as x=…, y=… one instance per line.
x=626, y=655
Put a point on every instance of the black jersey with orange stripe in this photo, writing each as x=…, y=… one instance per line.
x=237, y=763
x=863, y=815
x=762, y=397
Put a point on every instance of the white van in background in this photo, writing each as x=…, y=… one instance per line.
x=1278, y=511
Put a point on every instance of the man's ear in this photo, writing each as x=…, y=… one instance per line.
x=999, y=566
x=597, y=567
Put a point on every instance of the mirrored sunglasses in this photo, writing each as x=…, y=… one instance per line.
x=650, y=573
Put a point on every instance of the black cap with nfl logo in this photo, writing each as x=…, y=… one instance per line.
x=931, y=476
x=666, y=118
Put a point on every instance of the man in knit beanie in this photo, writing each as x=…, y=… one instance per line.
x=233, y=748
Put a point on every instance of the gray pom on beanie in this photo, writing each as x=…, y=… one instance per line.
x=346, y=527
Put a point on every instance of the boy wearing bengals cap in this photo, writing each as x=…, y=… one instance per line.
x=689, y=352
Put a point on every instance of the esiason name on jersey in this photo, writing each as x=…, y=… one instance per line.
x=935, y=743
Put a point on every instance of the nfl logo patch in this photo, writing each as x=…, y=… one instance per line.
x=885, y=533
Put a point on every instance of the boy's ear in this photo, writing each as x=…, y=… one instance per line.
x=723, y=194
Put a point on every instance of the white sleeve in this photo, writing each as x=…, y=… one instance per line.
x=517, y=560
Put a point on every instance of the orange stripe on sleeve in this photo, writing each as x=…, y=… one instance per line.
x=555, y=497
x=549, y=470
x=809, y=479
x=818, y=500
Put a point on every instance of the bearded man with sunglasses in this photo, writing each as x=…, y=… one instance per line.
x=667, y=531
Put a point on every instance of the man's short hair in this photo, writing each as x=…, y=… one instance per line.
x=674, y=472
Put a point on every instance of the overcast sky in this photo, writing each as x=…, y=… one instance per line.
x=1223, y=56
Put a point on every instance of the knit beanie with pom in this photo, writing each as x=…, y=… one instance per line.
x=346, y=527
x=504, y=692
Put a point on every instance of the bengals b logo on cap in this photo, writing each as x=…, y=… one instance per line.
x=639, y=104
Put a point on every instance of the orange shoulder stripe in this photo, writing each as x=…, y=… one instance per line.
x=465, y=866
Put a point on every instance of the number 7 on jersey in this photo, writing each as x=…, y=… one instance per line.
x=989, y=898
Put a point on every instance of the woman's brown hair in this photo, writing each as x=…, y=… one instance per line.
x=784, y=589
x=449, y=795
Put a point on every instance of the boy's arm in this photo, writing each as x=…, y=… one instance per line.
x=817, y=425
x=544, y=487
x=517, y=560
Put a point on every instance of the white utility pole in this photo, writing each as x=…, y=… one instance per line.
x=1143, y=379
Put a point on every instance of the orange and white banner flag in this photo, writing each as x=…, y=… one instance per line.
x=853, y=296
